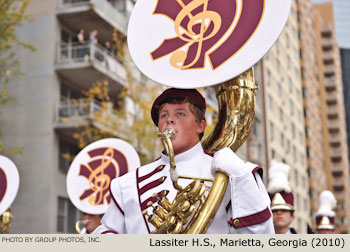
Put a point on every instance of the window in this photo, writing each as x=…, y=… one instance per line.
x=67, y=215
x=272, y=131
x=290, y=84
x=279, y=90
x=282, y=140
x=291, y=105
x=270, y=102
x=67, y=152
x=292, y=128
x=280, y=112
x=294, y=154
x=296, y=179
x=278, y=65
x=304, y=182
x=268, y=77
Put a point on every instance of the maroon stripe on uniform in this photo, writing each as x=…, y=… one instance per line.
x=151, y=185
x=252, y=219
x=260, y=170
x=138, y=190
x=139, y=180
x=109, y=232
x=115, y=202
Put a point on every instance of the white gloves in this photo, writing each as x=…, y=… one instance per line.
x=226, y=161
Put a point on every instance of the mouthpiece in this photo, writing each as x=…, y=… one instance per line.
x=170, y=132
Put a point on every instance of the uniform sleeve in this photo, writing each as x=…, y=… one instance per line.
x=113, y=221
x=250, y=204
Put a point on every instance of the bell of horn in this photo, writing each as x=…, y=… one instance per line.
x=236, y=112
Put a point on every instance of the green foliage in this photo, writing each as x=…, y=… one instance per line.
x=12, y=15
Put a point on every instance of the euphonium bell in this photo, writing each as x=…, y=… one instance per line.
x=80, y=226
x=5, y=221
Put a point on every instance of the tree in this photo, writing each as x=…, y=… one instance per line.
x=12, y=15
x=126, y=116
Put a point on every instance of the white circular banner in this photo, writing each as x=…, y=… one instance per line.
x=197, y=43
x=9, y=183
x=93, y=169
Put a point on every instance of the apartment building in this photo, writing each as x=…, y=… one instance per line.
x=316, y=133
x=331, y=80
x=341, y=10
x=284, y=114
x=49, y=95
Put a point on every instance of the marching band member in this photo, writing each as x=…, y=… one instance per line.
x=245, y=206
x=282, y=198
x=90, y=222
x=325, y=216
x=89, y=178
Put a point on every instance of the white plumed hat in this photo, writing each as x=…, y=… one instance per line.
x=325, y=216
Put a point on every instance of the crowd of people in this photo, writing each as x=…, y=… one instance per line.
x=84, y=41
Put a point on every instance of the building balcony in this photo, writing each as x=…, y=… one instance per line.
x=335, y=139
x=338, y=182
x=336, y=152
x=102, y=15
x=72, y=115
x=328, y=55
x=329, y=69
x=327, y=42
x=338, y=168
x=332, y=110
x=326, y=30
x=331, y=97
x=330, y=83
x=84, y=65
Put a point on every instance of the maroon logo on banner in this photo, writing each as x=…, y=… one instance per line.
x=206, y=25
x=3, y=184
x=100, y=173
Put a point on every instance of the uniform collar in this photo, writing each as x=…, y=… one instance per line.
x=184, y=155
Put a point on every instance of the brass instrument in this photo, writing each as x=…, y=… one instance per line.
x=236, y=100
x=5, y=221
x=80, y=224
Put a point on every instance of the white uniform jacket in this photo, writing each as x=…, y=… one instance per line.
x=244, y=208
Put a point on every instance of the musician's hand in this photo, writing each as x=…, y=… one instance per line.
x=226, y=161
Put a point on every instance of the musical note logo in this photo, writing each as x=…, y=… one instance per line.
x=106, y=164
x=207, y=30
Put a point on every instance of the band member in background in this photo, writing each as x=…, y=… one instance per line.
x=91, y=222
x=325, y=216
x=282, y=198
x=245, y=206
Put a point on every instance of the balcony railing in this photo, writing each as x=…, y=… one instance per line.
x=327, y=42
x=68, y=110
x=332, y=111
x=329, y=69
x=115, y=12
x=73, y=113
x=328, y=55
x=330, y=83
x=70, y=53
x=336, y=152
x=331, y=97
